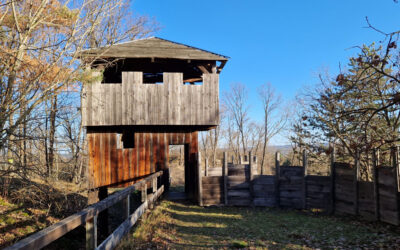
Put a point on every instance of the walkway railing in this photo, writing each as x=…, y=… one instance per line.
x=88, y=217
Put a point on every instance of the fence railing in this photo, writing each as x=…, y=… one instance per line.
x=88, y=217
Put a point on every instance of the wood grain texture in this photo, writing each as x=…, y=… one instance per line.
x=112, y=166
x=134, y=103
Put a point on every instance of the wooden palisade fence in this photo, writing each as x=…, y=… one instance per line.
x=88, y=218
x=292, y=187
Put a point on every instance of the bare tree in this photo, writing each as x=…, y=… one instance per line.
x=237, y=108
x=274, y=121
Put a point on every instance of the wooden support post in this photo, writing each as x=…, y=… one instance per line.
x=127, y=206
x=333, y=173
x=225, y=177
x=91, y=233
x=375, y=159
x=356, y=179
x=199, y=179
x=251, y=173
x=397, y=169
x=305, y=166
x=103, y=216
x=396, y=176
x=144, y=192
x=277, y=176
x=154, y=185
x=206, y=167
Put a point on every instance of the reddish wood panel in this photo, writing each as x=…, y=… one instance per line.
x=112, y=166
x=147, y=153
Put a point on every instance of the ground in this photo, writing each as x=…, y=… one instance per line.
x=32, y=207
x=175, y=225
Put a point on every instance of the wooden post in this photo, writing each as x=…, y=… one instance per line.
x=356, y=179
x=251, y=173
x=91, y=233
x=103, y=216
x=233, y=159
x=305, y=165
x=144, y=192
x=206, y=167
x=277, y=176
x=396, y=176
x=199, y=182
x=127, y=206
x=225, y=177
x=375, y=159
x=333, y=173
x=154, y=185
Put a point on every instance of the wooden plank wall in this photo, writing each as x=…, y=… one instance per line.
x=366, y=200
x=264, y=190
x=293, y=187
x=291, y=182
x=388, y=195
x=239, y=193
x=213, y=190
x=135, y=103
x=318, y=192
x=345, y=191
x=112, y=166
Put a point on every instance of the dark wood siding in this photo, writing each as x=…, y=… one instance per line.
x=112, y=166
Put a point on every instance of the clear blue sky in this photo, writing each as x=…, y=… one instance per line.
x=286, y=43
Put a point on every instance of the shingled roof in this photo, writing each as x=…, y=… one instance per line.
x=153, y=47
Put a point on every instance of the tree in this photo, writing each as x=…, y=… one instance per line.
x=235, y=102
x=359, y=110
x=40, y=44
x=274, y=122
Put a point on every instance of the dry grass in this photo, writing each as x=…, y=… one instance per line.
x=182, y=226
x=33, y=206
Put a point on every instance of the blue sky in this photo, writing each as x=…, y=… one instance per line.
x=286, y=43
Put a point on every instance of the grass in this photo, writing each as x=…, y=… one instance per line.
x=181, y=226
x=30, y=207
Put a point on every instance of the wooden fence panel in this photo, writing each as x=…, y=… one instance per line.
x=318, y=190
x=264, y=190
x=291, y=181
x=213, y=190
x=388, y=192
x=344, y=188
x=239, y=185
x=366, y=200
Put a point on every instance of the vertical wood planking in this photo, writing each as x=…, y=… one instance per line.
x=333, y=159
x=120, y=171
x=225, y=177
x=277, y=177
x=142, y=155
x=92, y=155
x=126, y=164
x=147, y=151
x=96, y=160
x=375, y=181
x=114, y=158
x=107, y=170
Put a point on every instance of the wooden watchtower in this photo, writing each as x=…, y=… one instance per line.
x=155, y=93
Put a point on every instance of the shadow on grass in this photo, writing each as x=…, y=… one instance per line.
x=182, y=225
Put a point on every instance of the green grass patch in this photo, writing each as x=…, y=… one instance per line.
x=181, y=226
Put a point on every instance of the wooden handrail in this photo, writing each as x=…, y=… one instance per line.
x=56, y=231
